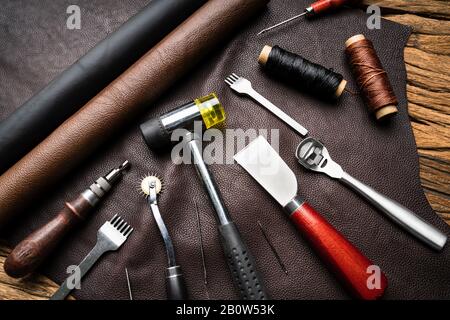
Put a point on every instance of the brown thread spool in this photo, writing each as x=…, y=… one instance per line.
x=372, y=79
x=264, y=57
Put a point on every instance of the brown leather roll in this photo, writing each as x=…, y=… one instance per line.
x=120, y=102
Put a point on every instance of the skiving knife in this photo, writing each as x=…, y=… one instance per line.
x=264, y=164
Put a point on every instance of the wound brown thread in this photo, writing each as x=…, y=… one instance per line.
x=372, y=79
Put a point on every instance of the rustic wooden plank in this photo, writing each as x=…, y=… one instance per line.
x=440, y=204
x=422, y=25
x=422, y=114
x=445, y=217
x=435, y=175
x=434, y=153
x=34, y=288
x=430, y=35
x=429, y=80
x=429, y=136
x=437, y=101
x=439, y=44
x=432, y=106
x=433, y=8
x=436, y=63
x=427, y=58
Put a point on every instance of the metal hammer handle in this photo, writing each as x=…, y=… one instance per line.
x=239, y=259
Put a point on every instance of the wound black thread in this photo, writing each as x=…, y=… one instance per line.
x=302, y=73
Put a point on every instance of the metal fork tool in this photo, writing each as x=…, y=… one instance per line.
x=244, y=87
x=314, y=156
x=110, y=237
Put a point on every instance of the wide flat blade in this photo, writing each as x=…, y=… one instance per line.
x=264, y=164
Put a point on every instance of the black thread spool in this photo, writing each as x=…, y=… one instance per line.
x=302, y=73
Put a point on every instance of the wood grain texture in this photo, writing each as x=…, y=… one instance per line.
x=34, y=288
x=427, y=58
x=31, y=252
x=432, y=8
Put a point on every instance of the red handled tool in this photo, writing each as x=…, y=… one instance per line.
x=264, y=164
x=316, y=8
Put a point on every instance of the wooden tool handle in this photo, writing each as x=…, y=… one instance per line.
x=31, y=252
x=343, y=258
x=326, y=5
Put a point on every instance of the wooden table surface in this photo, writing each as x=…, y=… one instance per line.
x=427, y=58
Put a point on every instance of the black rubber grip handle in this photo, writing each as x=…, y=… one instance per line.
x=242, y=264
x=175, y=284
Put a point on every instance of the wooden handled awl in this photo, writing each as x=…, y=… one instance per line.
x=32, y=251
x=316, y=8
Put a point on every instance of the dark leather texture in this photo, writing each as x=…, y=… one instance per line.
x=121, y=102
x=382, y=155
x=69, y=91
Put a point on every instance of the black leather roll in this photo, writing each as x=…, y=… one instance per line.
x=69, y=91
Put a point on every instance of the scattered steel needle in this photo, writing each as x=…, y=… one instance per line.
x=272, y=247
x=128, y=283
x=282, y=22
x=202, y=251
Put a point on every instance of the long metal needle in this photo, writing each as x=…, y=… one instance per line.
x=202, y=251
x=128, y=283
x=272, y=247
x=282, y=22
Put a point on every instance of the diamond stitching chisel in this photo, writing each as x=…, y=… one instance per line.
x=110, y=237
x=264, y=164
x=313, y=155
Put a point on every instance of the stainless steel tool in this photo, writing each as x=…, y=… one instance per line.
x=313, y=155
x=240, y=261
x=264, y=164
x=244, y=86
x=32, y=251
x=110, y=237
x=128, y=284
x=175, y=284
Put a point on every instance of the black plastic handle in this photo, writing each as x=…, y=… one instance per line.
x=175, y=284
x=242, y=264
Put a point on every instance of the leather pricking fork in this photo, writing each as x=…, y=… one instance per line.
x=244, y=87
x=110, y=237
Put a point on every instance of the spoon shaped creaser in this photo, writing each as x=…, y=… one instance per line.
x=313, y=155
